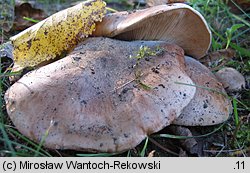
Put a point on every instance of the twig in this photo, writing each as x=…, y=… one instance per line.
x=163, y=148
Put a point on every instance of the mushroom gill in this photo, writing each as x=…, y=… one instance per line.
x=175, y=23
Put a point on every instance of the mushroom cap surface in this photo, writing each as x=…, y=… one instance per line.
x=175, y=23
x=207, y=107
x=231, y=79
x=94, y=100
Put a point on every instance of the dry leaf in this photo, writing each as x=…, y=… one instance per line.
x=243, y=4
x=56, y=34
x=214, y=57
x=26, y=10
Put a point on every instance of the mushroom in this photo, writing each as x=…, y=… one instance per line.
x=231, y=79
x=175, y=23
x=151, y=3
x=94, y=99
x=210, y=104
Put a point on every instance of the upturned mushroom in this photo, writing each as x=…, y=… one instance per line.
x=175, y=23
x=99, y=99
x=210, y=104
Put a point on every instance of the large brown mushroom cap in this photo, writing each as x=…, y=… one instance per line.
x=174, y=23
x=93, y=99
x=207, y=107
